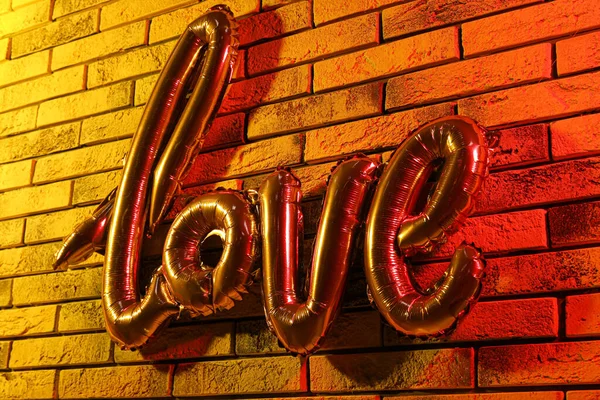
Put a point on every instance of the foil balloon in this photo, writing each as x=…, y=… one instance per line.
x=393, y=233
x=301, y=322
x=87, y=237
x=208, y=48
x=229, y=216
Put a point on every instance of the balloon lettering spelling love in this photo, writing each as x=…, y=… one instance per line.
x=360, y=192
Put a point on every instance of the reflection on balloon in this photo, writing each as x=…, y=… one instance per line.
x=204, y=290
x=129, y=320
x=301, y=322
x=172, y=131
x=461, y=144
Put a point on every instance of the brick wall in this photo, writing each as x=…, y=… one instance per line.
x=315, y=82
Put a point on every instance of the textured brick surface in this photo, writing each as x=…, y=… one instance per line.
x=111, y=126
x=369, y=134
x=530, y=64
x=547, y=395
x=64, y=7
x=254, y=337
x=27, y=384
x=583, y=315
x=27, y=260
x=85, y=104
x=123, y=11
x=80, y=316
x=578, y=54
x=267, y=88
x=113, y=382
x=16, y=175
x=11, y=232
x=27, y=321
x=583, y=395
x=539, y=364
x=93, y=188
x=241, y=160
x=574, y=224
x=138, y=62
x=25, y=18
x=425, y=50
x=59, y=83
x=17, y=121
x=421, y=369
x=54, y=226
x=540, y=185
x=70, y=285
x=521, y=146
x=325, y=10
x=309, y=112
x=5, y=292
x=170, y=25
x=540, y=101
x=510, y=319
x=95, y=46
x=544, y=21
x=4, y=351
x=420, y=15
x=63, y=31
x=81, y=162
x=40, y=142
x=306, y=46
x=61, y=350
x=35, y=199
x=284, y=20
x=575, y=137
x=534, y=273
x=24, y=68
x=184, y=342
x=253, y=375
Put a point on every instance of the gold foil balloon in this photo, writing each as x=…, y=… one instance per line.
x=88, y=237
x=300, y=322
x=392, y=232
x=207, y=47
x=204, y=290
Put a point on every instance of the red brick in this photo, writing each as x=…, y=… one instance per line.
x=575, y=137
x=584, y=395
x=532, y=273
x=225, y=131
x=326, y=10
x=569, y=180
x=188, y=194
x=487, y=396
x=313, y=111
x=498, y=320
x=316, y=43
x=552, y=99
x=500, y=233
x=419, y=15
x=280, y=85
x=539, y=364
x=574, y=224
x=470, y=77
x=541, y=22
x=267, y=25
x=417, y=52
x=578, y=54
x=583, y=315
x=246, y=159
x=420, y=369
x=521, y=146
x=369, y=134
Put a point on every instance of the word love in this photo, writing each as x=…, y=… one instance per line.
x=359, y=192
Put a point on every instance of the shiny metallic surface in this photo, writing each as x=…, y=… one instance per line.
x=202, y=289
x=130, y=320
x=300, y=322
x=392, y=232
x=87, y=237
